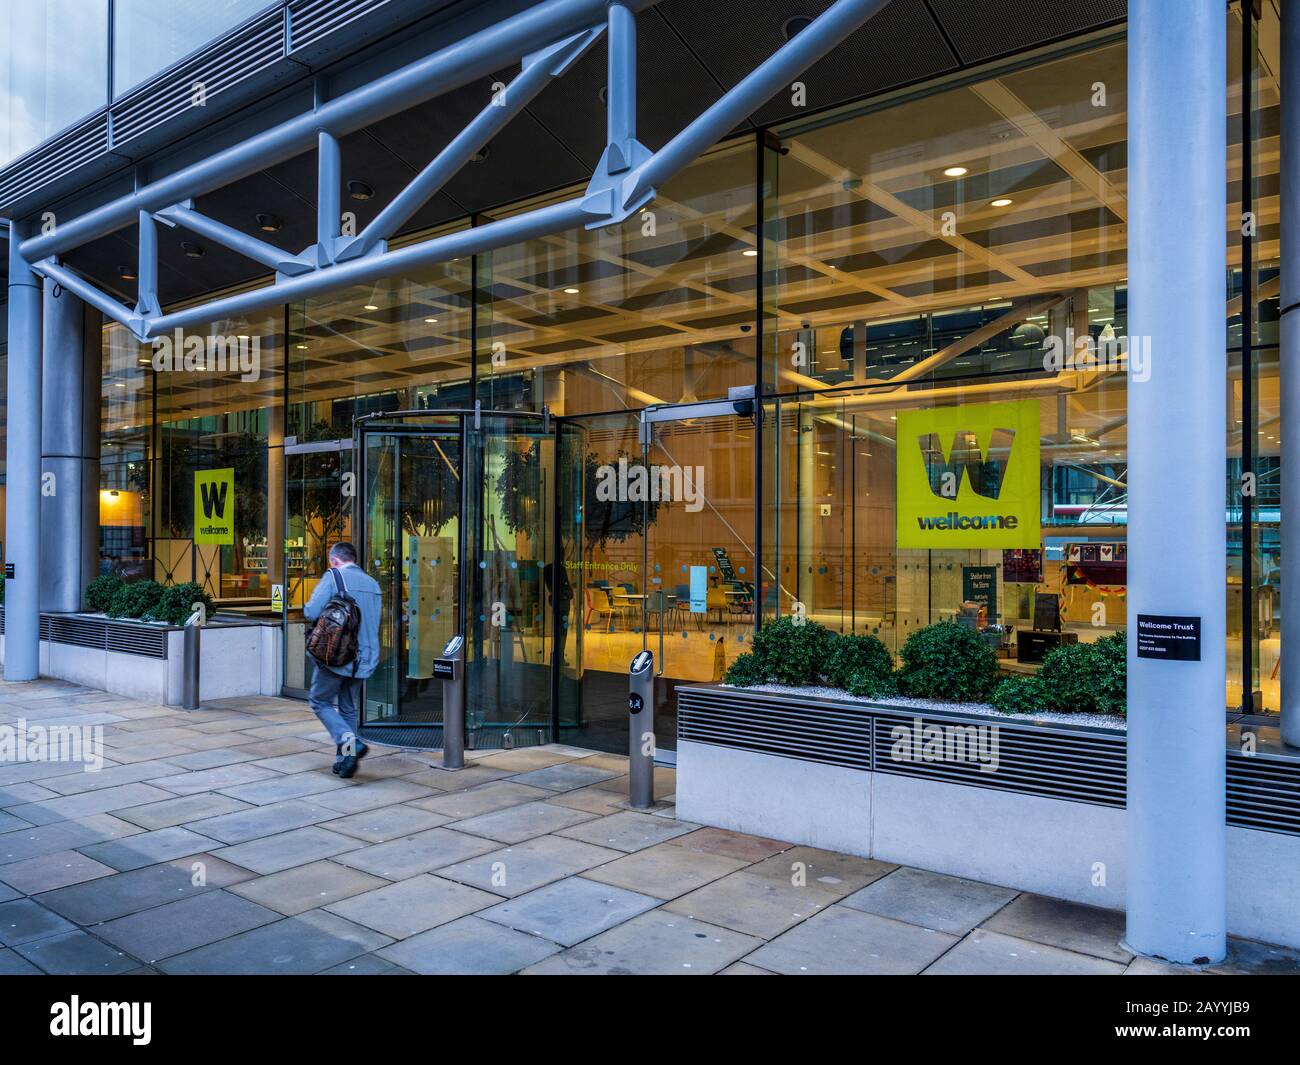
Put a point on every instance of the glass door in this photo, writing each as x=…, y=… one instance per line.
x=698, y=593
x=411, y=497
x=318, y=512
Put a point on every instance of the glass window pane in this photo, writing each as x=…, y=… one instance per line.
x=150, y=35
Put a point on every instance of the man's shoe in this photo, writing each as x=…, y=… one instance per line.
x=338, y=760
x=362, y=750
x=346, y=766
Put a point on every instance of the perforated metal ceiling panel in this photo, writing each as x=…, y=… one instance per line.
x=986, y=29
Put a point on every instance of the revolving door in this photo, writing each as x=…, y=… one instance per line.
x=453, y=516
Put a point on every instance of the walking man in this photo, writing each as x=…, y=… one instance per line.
x=336, y=689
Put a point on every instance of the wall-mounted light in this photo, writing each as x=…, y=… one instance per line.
x=359, y=190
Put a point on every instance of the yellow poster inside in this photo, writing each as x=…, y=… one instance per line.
x=214, y=506
x=968, y=477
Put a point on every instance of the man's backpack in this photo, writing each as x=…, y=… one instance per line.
x=333, y=637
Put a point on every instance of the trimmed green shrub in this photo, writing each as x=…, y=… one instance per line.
x=100, y=592
x=948, y=661
x=791, y=653
x=1018, y=695
x=861, y=665
x=177, y=602
x=134, y=600
x=784, y=653
x=746, y=671
x=1087, y=678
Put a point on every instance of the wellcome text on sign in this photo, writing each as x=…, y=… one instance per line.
x=968, y=477
x=214, y=506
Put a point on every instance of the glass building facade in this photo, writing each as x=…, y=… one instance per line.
x=955, y=244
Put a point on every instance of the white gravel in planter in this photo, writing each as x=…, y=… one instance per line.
x=906, y=702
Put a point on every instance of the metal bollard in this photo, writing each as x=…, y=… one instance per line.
x=641, y=725
x=448, y=668
x=190, y=659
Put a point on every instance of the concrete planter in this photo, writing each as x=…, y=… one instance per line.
x=1050, y=818
x=143, y=660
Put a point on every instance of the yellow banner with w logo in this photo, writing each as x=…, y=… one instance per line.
x=968, y=477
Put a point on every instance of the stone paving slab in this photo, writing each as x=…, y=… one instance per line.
x=304, y=887
x=184, y=925
x=515, y=870
x=115, y=896
x=986, y=953
x=842, y=941
x=665, y=871
x=218, y=841
x=413, y=855
x=300, y=846
x=931, y=900
x=298, y=945
x=469, y=946
x=570, y=910
x=656, y=943
x=412, y=906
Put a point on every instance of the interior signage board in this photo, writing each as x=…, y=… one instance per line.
x=979, y=584
x=968, y=477
x=214, y=506
x=1170, y=637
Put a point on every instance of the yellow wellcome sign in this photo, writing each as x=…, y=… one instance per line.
x=214, y=506
x=968, y=477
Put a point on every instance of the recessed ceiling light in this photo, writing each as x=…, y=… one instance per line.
x=795, y=24
x=268, y=223
x=301, y=347
x=191, y=249
x=751, y=252
x=371, y=307
x=126, y=273
x=1001, y=201
x=359, y=190
x=571, y=291
x=956, y=171
x=431, y=321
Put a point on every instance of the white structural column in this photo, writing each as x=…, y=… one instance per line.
x=22, y=548
x=1290, y=363
x=70, y=431
x=1177, y=78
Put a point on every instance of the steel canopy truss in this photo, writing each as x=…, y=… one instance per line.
x=547, y=38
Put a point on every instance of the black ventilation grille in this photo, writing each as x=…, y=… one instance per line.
x=311, y=20
x=1077, y=764
x=248, y=51
x=147, y=641
x=55, y=159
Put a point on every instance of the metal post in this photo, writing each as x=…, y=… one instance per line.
x=620, y=86
x=70, y=380
x=1177, y=71
x=450, y=669
x=190, y=662
x=1290, y=385
x=329, y=177
x=22, y=547
x=641, y=731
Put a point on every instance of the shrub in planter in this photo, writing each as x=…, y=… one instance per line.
x=1018, y=695
x=861, y=665
x=746, y=671
x=784, y=653
x=134, y=600
x=948, y=661
x=177, y=603
x=1087, y=678
x=100, y=592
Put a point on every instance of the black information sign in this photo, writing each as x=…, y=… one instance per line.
x=9, y=571
x=1167, y=636
x=444, y=668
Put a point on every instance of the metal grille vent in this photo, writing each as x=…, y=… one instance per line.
x=248, y=51
x=312, y=20
x=55, y=159
x=1074, y=764
x=97, y=633
x=1264, y=792
x=1034, y=761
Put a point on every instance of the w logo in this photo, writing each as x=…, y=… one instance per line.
x=984, y=472
x=214, y=498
